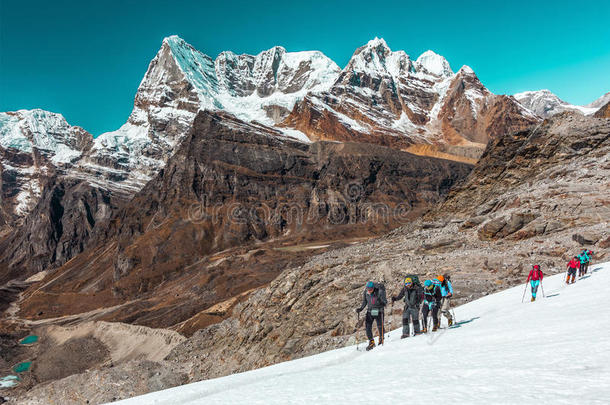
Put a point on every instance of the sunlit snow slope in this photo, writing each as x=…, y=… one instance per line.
x=555, y=350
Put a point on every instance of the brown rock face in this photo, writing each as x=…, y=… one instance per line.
x=472, y=116
x=511, y=162
x=231, y=185
x=603, y=112
x=59, y=227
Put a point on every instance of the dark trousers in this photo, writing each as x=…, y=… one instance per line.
x=431, y=307
x=369, y=324
x=413, y=314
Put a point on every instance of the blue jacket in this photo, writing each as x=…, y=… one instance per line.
x=583, y=257
x=446, y=288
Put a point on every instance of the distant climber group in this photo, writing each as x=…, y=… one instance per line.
x=433, y=299
x=430, y=299
x=580, y=263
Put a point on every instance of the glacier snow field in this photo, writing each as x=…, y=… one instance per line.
x=554, y=350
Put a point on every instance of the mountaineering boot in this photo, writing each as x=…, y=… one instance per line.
x=404, y=336
x=568, y=280
x=371, y=345
x=450, y=322
x=416, y=330
x=533, y=299
x=573, y=277
x=380, y=340
x=424, y=330
x=435, y=328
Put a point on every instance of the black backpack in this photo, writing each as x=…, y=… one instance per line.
x=381, y=295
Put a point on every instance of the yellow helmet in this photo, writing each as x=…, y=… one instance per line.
x=408, y=280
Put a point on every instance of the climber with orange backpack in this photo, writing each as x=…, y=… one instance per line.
x=447, y=293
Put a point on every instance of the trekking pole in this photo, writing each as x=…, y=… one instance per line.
x=524, y=290
x=542, y=288
x=383, y=327
x=356, y=330
x=391, y=318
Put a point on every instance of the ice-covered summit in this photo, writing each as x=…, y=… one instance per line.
x=433, y=63
x=50, y=133
x=377, y=59
x=603, y=100
x=545, y=103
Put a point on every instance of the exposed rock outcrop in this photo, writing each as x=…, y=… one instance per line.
x=603, y=112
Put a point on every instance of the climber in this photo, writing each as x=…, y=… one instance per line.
x=572, y=266
x=535, y=278
x=412, y=294
x=447, y=293
x=374, y=298
x=584, y=260
x=432, y=300
x=588, y=256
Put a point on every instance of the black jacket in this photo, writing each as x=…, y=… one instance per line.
x=376, y=299
x=412, y=296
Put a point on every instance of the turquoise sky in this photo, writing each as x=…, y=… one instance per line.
x=86, y=60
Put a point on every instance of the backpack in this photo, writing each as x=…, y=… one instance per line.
x=415, y=279
x=381, y=293
x=429, y=295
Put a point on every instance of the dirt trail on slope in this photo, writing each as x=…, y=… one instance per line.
x=124, y=342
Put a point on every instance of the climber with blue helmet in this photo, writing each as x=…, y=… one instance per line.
x=432, y=302
x=374, y=299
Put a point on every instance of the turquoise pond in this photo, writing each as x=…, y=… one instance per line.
x=22, y=367
x=28, y=340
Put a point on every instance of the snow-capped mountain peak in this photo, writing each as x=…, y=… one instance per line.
x=433, y=63
x=181, y=80
x=376, y=43
x=603, y=100
x=197, y=67
x=376, y=58
x=466, y=70
x=545, y=103
x=46, y=131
